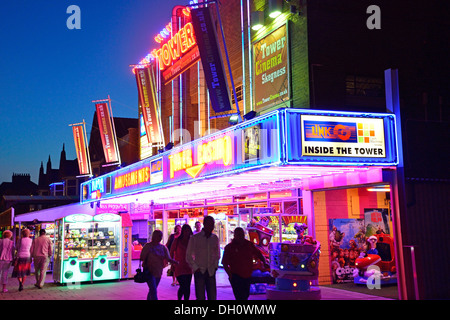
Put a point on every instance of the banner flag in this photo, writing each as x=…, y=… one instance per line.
x=210, y=55
x=81, y=150
x=149, y=105
x=107, y=133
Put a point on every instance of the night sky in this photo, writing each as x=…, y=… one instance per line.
x=49, y=74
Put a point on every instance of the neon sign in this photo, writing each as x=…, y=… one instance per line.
x=132, y=178
x=219, y=149
x=180, y=43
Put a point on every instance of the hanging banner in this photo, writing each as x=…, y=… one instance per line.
x=81, y=150
x=106, y=133
x=210, y=55
x=271, y=72
x=148, y=103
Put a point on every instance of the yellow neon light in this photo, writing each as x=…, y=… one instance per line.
x=216, y=150
x=181, y=42
x=219, y=149
x=180, y=161
x=132, y=178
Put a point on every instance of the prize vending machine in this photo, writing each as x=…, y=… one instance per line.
x=106, y=246
x=72, y=257
x=87, y=248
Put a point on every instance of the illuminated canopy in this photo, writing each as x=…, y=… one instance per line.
x=287, y=148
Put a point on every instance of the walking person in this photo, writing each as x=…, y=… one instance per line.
x=203, y=254
x=182, y=271
x=42, y=252
x=23, y=264
x=6, y=257
x=153, y=255
x=176, y=233
x=238, y=263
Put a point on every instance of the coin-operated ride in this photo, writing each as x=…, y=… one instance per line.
x=294, y=266
x=377, y=263
x=260, y=235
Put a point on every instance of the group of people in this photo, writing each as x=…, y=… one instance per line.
x=197, y=254
x=21, y=254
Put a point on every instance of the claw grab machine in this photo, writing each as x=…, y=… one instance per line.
x=87, y=248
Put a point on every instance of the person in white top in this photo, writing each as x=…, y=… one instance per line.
x=42, y=252
x=203, y=254
x=6, y=256
x=23, y=265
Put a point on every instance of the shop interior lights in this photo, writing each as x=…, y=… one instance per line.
x=379, y=189
x=275, y=8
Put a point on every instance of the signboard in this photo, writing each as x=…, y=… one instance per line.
x=251, y=143
x=148, y=103
x=211, y=57
x=81, y=150
x=219, y=151
x=271, y=71
x=106, y=133
x=342, y=137
x=180, y=51
x=156, y=171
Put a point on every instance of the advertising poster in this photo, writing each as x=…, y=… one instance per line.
x=345, y=247
x=271, y=71
x=342, y=137
x=81, y=150
x=148, y=105
x=210, y=55
x=251, y=143
x=156, y=171
x=376, y=221
x=106, y=133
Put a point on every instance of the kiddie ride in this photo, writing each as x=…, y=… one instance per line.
x=295, y=267
x=377, y=263
x=260, y=235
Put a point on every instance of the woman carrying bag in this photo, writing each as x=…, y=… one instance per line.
x=153, y=255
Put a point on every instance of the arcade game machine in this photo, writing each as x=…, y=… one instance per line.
x=377, y=263
x=294, y=266
x=72, y=259
x=106, y=246
x=87, y=248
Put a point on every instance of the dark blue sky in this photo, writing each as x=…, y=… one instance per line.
x=49, y=74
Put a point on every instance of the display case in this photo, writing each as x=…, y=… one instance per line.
x=87, y=248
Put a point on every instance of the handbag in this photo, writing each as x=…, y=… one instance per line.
x=140, y=276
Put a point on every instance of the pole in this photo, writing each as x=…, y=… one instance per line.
x=398, y=180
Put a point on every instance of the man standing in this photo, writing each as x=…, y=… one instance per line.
x=42, y=252
x=238, y=263
x=197, y=227
x=203, y=254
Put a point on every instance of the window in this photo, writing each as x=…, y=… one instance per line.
x=364, y=86
x=239, y=93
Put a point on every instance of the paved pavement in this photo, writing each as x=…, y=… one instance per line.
x=129, y=290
